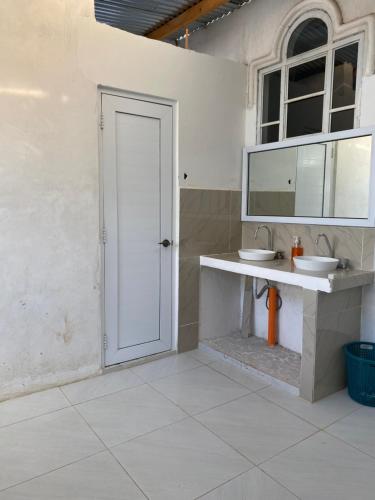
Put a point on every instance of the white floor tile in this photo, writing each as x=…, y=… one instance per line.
x=165, y=367
x=180, y=462
x=95, y=478
x=128, y=414
x=256, y=427
x=357, y=429
x=39, y=445
x=253, y=485
x=239, y=375
x=321, y=413
x=101, y=385
x=205, y=357
x=199, y=389
x=323, y=467
x=32, y=405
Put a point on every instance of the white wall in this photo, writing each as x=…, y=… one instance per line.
x=251, y=33
x=53, y=56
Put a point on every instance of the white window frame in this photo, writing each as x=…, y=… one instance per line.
x=303, y=140
x=326, y=51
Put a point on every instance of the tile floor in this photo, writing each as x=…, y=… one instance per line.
x=184, y=427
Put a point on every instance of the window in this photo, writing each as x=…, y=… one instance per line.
x=314, y=89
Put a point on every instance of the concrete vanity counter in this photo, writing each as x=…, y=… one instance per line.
x=332, y=306
x=283, y=271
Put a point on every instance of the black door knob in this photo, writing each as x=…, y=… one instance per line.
x=165, y=243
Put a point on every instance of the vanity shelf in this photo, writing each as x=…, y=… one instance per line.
x=329, y=317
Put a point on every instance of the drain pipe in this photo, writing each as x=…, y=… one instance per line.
x=273, y=304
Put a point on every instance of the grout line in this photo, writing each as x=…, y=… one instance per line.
x=340, y=418
x=139, y=436
x=223, y=484
x=253, y=464
x=288, y=411
x=287, y=448
x=52, y=470
x=141, y=382
x=279, y=483
x=186, y=416
x=201, y=365
x=36, y=416
x=349, y=444
x=110, y=451
x=240, y=383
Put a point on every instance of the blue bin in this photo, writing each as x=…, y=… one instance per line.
x=360, y=365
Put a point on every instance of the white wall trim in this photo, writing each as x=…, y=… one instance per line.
x=340, y=30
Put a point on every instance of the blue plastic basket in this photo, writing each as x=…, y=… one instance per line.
x=360, y=365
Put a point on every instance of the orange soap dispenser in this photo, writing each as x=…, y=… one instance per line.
x=297, y=248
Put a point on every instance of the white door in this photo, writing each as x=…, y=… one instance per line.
x=137, y=197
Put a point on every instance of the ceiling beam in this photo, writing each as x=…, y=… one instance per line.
x=187, y=17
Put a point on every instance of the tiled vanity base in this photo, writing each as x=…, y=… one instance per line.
x=330, y=320
x=277, y=362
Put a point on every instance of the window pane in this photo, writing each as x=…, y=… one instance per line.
x=305, y=117
x=309, y=35
x=342, y=120
x=271, y=97
x=344, y=76
x=270, y=134
x=307, y=78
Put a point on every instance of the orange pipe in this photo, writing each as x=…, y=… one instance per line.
x=272, y=316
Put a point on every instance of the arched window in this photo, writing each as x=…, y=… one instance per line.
x=309, y=35
x=314, y=88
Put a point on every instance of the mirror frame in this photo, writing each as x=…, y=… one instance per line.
x=301, y=141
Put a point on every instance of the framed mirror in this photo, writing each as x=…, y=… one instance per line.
x=325, y=179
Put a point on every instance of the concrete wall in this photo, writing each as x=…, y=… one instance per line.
x=53, y=57
x=251, y=33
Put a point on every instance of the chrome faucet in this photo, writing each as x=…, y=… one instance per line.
x=329, y=246
x=269, y=231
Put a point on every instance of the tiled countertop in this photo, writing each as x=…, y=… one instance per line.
x=283, y=271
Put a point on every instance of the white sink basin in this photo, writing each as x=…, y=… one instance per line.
x=256, y=254
x=318, y=264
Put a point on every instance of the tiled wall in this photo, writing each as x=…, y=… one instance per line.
x=210, y=222
x=354, y=243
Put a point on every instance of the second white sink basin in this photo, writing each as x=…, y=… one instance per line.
x=256, y=254
x=318, y=264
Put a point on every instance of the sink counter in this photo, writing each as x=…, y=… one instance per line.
x=283, y=271
x=328, y=312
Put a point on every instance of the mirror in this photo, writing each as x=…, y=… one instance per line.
x=329, y=179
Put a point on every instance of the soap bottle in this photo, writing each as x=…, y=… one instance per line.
x=297, y=248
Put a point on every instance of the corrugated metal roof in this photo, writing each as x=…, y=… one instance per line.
x=143, y=16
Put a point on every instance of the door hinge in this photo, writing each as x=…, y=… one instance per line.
x=104, y=235
x=101, y=120
x=105, y=341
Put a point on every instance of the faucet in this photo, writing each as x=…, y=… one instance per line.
x=329, y=246
x=269, y=231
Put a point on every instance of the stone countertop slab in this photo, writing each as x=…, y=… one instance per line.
x=283, y=271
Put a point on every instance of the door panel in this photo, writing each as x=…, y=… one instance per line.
x=137, y=193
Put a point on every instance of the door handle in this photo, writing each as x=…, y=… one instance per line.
x=166, y=243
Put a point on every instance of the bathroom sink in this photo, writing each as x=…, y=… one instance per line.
x=256, y=254
x=318, y=264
